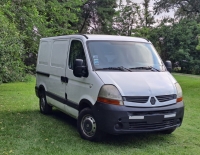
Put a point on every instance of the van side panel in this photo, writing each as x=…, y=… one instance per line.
x=43, y=62
x=56, y=88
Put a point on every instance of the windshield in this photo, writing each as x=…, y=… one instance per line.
x=129, y=55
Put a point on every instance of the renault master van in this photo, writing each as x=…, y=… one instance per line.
x=110, y=84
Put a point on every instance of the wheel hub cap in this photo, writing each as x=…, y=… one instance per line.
x=88, y=125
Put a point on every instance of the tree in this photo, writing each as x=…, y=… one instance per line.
x=132, y=18
x=97, y=16
x=12, y=67
x=175, y=45
x=145, y=16
x=144, y=32
x=198, y=46
x=35, y=19
x=185, y=8
x=126, y=18
x=60, y=15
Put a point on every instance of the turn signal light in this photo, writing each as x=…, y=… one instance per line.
x=179, y=99
x=108, y=101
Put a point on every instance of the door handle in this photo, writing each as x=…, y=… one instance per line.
x=64, y=79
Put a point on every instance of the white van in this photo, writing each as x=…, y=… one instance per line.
x=110, y=84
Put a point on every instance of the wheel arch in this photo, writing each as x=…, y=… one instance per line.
x=41, y=89
x=84, y=103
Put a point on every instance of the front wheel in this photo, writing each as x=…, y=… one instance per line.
x=45, y=108
x=87, y=126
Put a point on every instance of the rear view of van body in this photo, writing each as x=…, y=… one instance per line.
x=110, y=84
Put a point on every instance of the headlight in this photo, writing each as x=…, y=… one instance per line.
x=179, y=93
x=109, y=94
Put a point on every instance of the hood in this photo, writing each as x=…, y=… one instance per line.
x=140, y=83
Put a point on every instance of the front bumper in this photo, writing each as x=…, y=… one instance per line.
x=121, y=119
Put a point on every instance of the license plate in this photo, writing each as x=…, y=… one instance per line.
x=154, y=119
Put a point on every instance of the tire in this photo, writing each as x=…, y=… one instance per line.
x=45, y=108
x=169, y=131
x=87, y=126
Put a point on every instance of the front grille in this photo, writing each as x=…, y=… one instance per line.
x=164, y=98
x=145, y=126
x=137, y=99
x=144, y=113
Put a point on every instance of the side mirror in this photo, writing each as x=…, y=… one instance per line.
x=79, y=70
x=168, y=65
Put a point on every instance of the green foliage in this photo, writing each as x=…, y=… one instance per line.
x=11, y=52
x=145, y=15
x=198, y=46
x=97, y=16
x=25, y=22
x=178, y=42
x=39, y=18
x=126, y=18
x=59, y=15
x=133, y=19
x=105, y=12
x=143, y=32
x=190, y=67
x=184, y=8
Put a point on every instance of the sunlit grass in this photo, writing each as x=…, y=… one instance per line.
x=23, y=130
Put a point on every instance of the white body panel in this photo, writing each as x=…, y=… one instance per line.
x=53, y=60
x=141, y=84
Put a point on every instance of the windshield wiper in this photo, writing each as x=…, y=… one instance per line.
x=115, y=68
x=153, y=68
x=146, y=68
x=125, y=68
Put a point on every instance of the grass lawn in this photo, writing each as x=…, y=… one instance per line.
x=23, y=130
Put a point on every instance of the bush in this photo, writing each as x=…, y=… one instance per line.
x=190, y=67
x=12, y=67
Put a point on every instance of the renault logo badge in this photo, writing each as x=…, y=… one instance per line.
x=152, y=100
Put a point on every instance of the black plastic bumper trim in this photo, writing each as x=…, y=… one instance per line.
x=62, y=100
x=108, y=116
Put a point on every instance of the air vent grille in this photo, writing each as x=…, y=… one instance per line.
x=136, y=99
x=145, y=126
x=164, y=98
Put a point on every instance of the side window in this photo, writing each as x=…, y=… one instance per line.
x=76, y=52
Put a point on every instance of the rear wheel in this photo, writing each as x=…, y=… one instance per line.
x=169, y=131
x=45, y=108
x=87, y=126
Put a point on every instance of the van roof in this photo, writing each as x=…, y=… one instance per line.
x=99, y=37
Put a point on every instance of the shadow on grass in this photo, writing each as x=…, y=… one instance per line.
x=115, y=139
x=62, y=122
x=139, y=140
